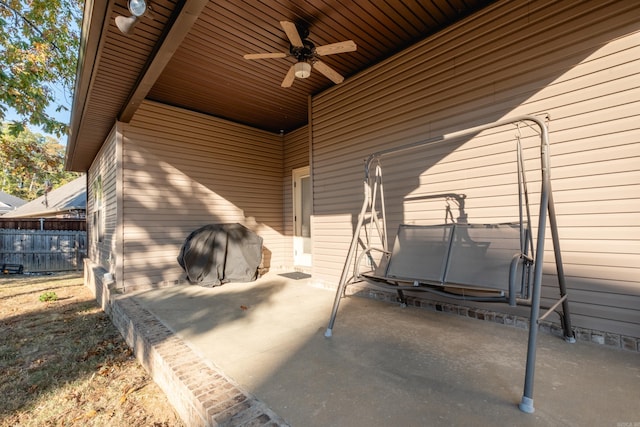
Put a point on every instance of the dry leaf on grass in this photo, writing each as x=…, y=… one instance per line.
x=67, y=363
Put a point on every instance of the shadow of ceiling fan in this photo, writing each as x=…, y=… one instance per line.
x=306, y=54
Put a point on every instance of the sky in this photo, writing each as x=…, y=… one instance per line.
x=62, y=97
x=63, y=116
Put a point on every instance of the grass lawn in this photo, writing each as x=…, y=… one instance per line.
x=63, y=363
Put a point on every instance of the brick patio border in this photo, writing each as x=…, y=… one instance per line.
x=200, y=393
x=582, y=334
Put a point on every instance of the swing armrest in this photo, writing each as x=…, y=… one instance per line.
x=386, y=255
x=513, y=270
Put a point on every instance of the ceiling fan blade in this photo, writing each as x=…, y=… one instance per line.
x=265, y=55
x=341, y=47
x=289, y=78
x=292, y=33
x=329, y=72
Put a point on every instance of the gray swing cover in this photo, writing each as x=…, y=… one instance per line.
x=221, y=253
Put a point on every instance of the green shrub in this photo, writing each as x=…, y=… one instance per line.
x=48, y=296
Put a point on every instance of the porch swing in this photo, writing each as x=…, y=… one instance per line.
x=461, y=260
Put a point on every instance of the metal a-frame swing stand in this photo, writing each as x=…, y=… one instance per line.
x=547, y=210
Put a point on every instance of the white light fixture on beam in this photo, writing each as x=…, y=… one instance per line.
x=137, y=8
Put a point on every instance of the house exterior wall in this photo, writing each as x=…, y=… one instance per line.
x=296, y=155
x=102, y=206
x=577, y=61
x=182, y=170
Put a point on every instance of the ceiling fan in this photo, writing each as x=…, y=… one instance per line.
x=306, y=54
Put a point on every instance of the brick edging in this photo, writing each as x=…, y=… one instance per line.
x=200, y=393
x=607, y=339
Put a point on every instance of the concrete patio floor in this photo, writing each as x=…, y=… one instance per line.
x=391, y=366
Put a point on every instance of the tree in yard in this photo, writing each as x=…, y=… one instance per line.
x=39, y=42
x=31, y=164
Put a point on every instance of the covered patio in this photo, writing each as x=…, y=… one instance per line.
x=385, y=365
x=192, y=118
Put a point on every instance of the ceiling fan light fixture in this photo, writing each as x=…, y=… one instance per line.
x=302, y=70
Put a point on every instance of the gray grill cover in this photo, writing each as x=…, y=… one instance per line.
x=221, y=253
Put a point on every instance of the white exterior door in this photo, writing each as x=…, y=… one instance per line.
x=302, y=206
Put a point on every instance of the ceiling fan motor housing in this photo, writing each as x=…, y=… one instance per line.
x=303, y=53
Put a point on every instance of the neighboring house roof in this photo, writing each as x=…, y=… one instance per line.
x=68, y=198
x=9, y=203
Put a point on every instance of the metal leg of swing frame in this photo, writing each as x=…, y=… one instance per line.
x=334, y=311
x=566, y=316
x=546, y=207
x=526, y=405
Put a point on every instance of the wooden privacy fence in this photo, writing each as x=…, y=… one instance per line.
x=43, y=251
x=43, y=223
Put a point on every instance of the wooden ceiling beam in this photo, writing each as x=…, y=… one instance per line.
x=186, y=14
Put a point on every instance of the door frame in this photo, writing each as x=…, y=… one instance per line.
x=300, y=258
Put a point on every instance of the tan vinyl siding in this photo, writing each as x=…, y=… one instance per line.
x=183, y=170
x=577, y=61
x=104, y=166
x=296, y=155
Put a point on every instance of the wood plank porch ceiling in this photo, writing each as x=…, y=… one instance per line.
x=209, y=74
x=206, y=71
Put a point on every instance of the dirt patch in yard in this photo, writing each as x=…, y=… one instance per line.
x=63, y=363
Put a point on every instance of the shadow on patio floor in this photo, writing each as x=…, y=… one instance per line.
x=390, y=366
